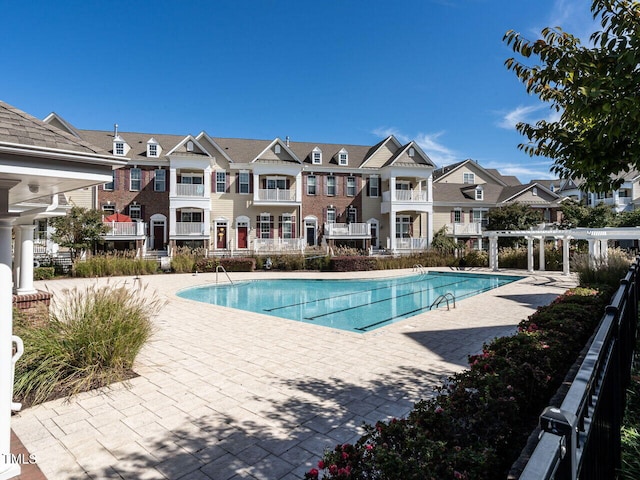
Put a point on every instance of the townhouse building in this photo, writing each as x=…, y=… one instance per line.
x=465, y=192
x=240, y=196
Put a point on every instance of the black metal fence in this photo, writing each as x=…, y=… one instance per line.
x=581, y=439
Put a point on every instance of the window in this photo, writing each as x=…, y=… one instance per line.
x=276, y=149
x=135, y=212
x=403, y=226
x=457, y=216
x=152, y=150
x=534, y=191
x=109, y=209
x=331, y=185
x=286, y=226
x=331, y=215
x=343, y=157
x=479, y=217
x=311, y=185
x=351, y=186
x=160, y=181
x=412, y=152
x=221, y=182
x=41, y=230
x=352, y=215
x=265, y=226
x=479, y=193
x=112, y=184
x=468, y=178
x=276, y=183
x=135, y=185
x=316, y=156
x=191, y=216
x=374, y=186
x=243, y=182
x=118, y=148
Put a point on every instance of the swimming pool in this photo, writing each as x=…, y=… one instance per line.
x=354, y=305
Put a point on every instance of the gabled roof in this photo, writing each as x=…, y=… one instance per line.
x=376, y=148
x=57, y=121
x=203, y=135
x=402, y=157
x=17, y=127
x=510, y=193
x=275, y=142
x=137, y=141
x=184, y=142
x=444, y=172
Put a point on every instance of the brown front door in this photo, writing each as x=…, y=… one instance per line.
x=242, y=237
x=221, y=237
x=158, y=236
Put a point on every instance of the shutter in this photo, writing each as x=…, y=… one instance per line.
x=264, y=183
x=270, y=226
x=280, y=226
x=142, y=213
x=250, y=182
x=369, y=187
x=287, y=184
x=294, y=233
x=227, y=179
x=453, y=216
x=238, y=182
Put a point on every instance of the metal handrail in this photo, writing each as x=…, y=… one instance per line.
x=444, y=298
x=220, y=267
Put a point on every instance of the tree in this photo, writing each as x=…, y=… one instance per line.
x=595, y=91
x=79, y=229
x=575, y=214
x=515, y=216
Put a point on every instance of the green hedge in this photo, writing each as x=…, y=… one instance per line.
x=44, y=273
x=352, y=264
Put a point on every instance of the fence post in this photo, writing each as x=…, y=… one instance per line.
x=564, y=424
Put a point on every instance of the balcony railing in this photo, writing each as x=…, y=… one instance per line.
x=190, y=228
x=279, y=244
x=417, y=196
x=459, y=229
x=411, y=243
x=276, y=195
x=189, y=190
x=342, y=230
x=125, y=229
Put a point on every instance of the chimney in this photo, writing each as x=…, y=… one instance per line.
x=115, y=130
x=286, y=140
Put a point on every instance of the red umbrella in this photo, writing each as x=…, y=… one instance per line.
x=118, y=217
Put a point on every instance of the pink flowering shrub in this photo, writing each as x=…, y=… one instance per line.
x=477, y=424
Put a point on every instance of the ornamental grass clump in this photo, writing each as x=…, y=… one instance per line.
x=601, y=271
x=91, y=340
x=479, y=421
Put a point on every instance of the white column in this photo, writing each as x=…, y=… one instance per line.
x=529, y=254
x=541, y=254
x=430, y=227
x=493, y=253
x=392, y=229
x=26, y=259
x=173, y=182
x=604, y=250
x=172, y=221
x=565, y=255
x=17, y=249
x=7, y=469
x=256, y=187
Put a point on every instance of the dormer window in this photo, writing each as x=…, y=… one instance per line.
x=316, y=156
x=479, y=193
x=153, y=149
x=343, y=158
x=276, y=149
x=120, y=147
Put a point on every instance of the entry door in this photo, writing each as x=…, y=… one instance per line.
x=242, y=237
x=311, y=234
x=221, y=237
x=374, y=235
x=158, y=236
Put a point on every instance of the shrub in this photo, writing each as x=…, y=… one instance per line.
x=111, y=264
x=184, y=259
x=281, y=262
x=427, y=258
x=92, y=339
x=238, y=264
x=597, y=271
x=352, y=264
x=516, y=257
x=478, y=422
x=44, y=273
x=475, y=258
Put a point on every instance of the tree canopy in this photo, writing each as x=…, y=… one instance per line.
x=79, y=229
x=595, y=90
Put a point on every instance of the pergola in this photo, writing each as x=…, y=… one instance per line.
x=597, y=239
x=37, y=163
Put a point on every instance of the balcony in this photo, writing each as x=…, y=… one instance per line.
x=464, y=229
x=405, y=200
x=125, y=229
x=347, y=230
x=279, y=244
x=190, y=190
x=275, y=195
x=410, y=244
x=416, y=196
x=190, y=228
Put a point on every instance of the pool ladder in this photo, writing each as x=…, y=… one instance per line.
x=419, y=268
x=220, y=267
x=444, y=298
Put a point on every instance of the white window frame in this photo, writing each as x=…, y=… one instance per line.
x=152, y=150
x=479, y=216
x=343, y=158
x=221, y=179
x=138, y=212
x=112, y=184
x=316, y=156
x=352, y=215
x=118, y=148
x=401, y=222
x=276, y=183
x=109, y=209
x=187, y=216
x=469, y=178
x=351, y=186
x=479, y=193
x=277, y=149
x=160, y=180
x=374, y=186
x=457, y=216
x=265, y=219
x=312, y=185
x=287, y=221
x=331, y=186
x=243, y=182
x=331, y=214
x=137, y=181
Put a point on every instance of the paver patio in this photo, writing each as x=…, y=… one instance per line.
x=223, y=394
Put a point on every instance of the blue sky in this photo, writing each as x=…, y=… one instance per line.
x=336, y=71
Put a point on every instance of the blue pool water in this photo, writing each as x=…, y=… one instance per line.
x=354, y=305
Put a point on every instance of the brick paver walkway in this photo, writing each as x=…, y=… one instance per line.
x=223, y=394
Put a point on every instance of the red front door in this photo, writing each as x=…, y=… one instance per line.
x=221, y=237
x=242, y=237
